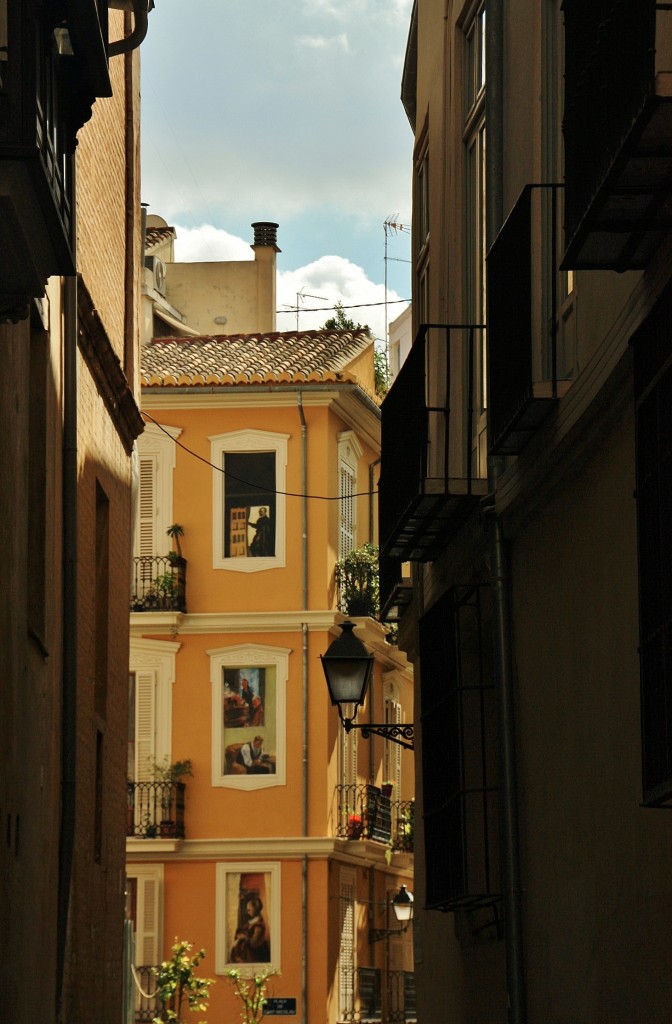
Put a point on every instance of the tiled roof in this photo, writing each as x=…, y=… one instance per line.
x=155, y=235
x=274, y=358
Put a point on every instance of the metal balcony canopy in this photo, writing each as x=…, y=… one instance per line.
x=618, y=134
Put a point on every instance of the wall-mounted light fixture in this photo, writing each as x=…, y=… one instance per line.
x=348, y=668
x=402, y=904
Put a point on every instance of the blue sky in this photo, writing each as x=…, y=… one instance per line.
x=285, y=111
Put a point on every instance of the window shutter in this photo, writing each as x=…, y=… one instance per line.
x=346, y=491
x=346, y=955
x=148, y=940
x=146, y=541
x=145, y=723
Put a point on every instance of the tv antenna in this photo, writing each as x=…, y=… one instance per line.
x=300, y=296
x=392, y=227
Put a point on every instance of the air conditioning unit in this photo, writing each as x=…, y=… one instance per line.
x=158, y=269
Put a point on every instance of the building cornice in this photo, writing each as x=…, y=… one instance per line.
x=151, y=623
x=363, y=852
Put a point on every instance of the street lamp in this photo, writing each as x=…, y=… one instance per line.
x=402, y=904
x=348, y=668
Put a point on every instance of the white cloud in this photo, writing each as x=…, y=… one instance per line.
x=315, y=288
x=206, y=244
x=318, y=286
x=325, y=42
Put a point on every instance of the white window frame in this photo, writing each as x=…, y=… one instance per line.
x=248, y=441
x=222, y=962
x=154, y=660
x=156, y=445
x=149, y=904
x=349, y=454
x=240, y=655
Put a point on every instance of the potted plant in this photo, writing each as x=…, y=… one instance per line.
x=355, y=826
x=167, y=588
x=167, y=775
x=357, y=581
x=386, y=789
x=175, y=530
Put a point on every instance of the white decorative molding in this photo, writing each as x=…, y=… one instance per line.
x=248, y=441
x=241, y=656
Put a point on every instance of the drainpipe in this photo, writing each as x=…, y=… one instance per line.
x=500, y=579
x=69, y=662
x=132, y=40
x=372, y=468
x=304, y=717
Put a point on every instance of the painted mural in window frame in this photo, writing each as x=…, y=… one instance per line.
x=249, y=481
x=247, y=917
x=248, y=716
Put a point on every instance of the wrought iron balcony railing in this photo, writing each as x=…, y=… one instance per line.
x=155, y=810
x=159, y=583
x=618, y=131
x=363, y=812
x=430, y=479
x=146, y=1000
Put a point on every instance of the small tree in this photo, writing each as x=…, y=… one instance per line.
x=176, y=981
x=175, y=530
x=381, y=373
x=251, y=991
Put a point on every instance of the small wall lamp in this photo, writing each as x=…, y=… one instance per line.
x=348, y=668
x=402, y=904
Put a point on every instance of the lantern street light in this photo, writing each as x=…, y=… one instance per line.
x=402, y=904
x=348, y=668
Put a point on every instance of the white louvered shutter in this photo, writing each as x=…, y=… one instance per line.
x=346, y=954
x=145, y=723
x=146, y=539
x=346, y=504
x=392, y=751
x=147, y=939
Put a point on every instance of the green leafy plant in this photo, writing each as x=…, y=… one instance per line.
x=381, y=371
x=357, y=581
x=251, y=991
x=165, y=771
x=176, y=981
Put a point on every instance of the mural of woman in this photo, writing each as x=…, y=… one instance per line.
x=251, y=943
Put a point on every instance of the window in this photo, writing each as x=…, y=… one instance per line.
x=653, y=395
x=249, y=684
x=144, y=909
x=421, y=208
x=249, y=500
x=347, y=961
x=152, y=674
x=247, y=916
x=349, y=452
x=154, y=467
x=474, y=139
x=458, y=718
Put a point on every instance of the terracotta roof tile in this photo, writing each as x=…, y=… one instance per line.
x=274, y=358
x=154, y=236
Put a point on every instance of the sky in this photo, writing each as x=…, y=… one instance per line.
x=287, y=111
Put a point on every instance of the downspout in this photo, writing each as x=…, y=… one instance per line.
x=304, y=717
x=129, y=268
x=372, y=466
x=69, y=662
x=500, y=577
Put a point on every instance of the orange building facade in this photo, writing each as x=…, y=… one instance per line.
x=281, y=851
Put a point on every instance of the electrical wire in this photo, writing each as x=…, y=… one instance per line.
x=327, y=309
x=254, y=486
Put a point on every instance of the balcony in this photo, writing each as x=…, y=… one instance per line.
x=146, y=1001
x=49, y=80
x=397, y=587
x=155, y=810
x=363, y=812
x=618, y=132
x=159, y=583
x=429, y=479
x=525, y=359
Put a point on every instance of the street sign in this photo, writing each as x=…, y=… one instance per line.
x=280, y=1008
